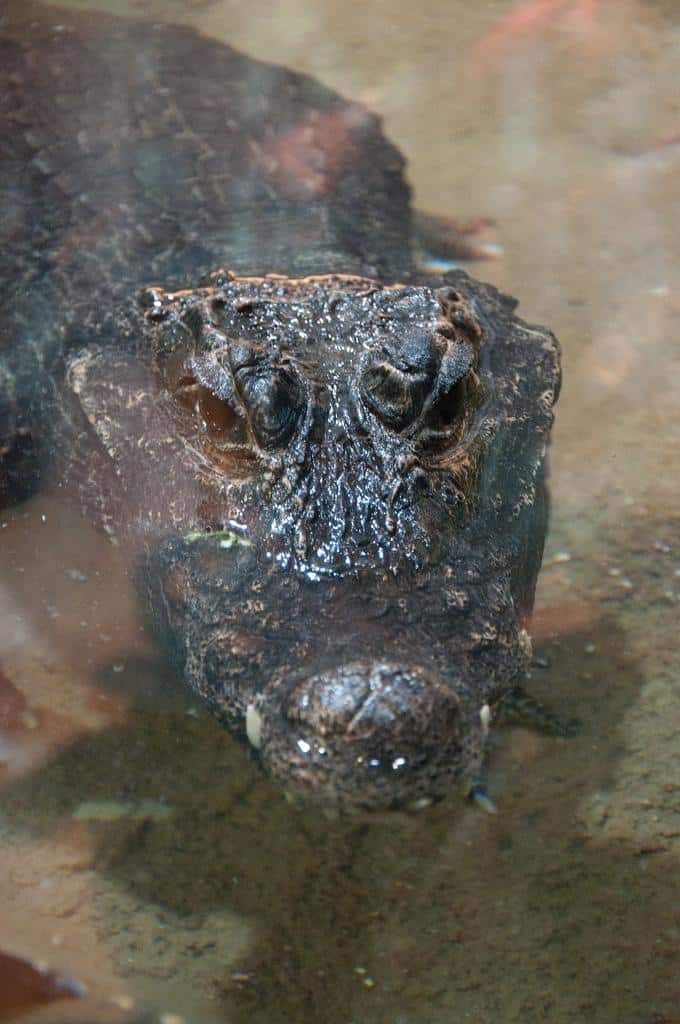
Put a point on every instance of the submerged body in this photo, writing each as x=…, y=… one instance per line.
x=326, y=465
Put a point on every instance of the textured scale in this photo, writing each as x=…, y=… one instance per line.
x=326, y=466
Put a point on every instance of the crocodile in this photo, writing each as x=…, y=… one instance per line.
x=326, y=464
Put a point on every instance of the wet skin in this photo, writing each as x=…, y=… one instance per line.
x=327, y=467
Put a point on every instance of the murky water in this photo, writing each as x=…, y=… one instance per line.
x=140, y=850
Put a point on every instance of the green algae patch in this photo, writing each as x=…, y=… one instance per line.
x=225, y=539
x=115, y=810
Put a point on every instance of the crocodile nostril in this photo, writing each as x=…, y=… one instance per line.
x=374, y=700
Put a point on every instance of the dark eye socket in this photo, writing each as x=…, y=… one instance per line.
x=449, y=407
x=413, y=390
x=448, y=418
x=454, y=389
x=221, y=423
x=274, y=400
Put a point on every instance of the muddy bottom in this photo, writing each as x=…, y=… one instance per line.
x=141, y=851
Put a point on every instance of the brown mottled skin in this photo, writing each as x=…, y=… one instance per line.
x=327, y=465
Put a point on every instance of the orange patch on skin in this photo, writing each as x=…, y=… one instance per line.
x=307, y=160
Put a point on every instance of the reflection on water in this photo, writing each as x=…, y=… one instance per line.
x=141, y=851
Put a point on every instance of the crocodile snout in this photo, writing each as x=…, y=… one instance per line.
x=373, y=731
x=376, y=703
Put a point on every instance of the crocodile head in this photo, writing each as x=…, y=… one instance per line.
x=341, y=487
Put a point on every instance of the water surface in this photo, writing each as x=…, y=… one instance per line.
x=141, y=851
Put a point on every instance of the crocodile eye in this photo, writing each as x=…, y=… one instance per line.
x=455, y=393
x=396, y=390
x=391, y=395
x=448, y=407
x=274, y=401
x=217, y=417
x=222, y=423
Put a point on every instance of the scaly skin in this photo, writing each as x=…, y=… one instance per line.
x=326, y=466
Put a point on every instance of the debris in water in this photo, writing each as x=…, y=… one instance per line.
x=25, y=985
x=114, y=810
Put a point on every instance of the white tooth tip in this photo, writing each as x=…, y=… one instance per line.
x=254, y=726
x=484, y=801
x=420, y=804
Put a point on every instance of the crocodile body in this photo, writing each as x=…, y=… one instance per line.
x=327, y=466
